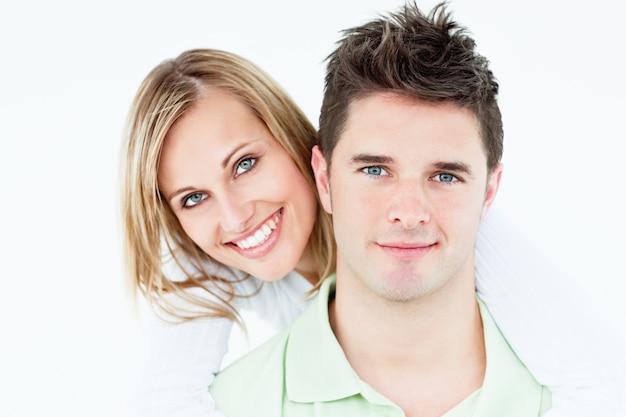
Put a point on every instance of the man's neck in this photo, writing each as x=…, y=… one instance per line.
x=426, y=356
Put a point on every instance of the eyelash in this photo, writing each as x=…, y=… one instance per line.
x=383, y=173
x=186, y=199
x=252, y=158
x=455, y=178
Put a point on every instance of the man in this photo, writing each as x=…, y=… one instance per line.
x=408, y=165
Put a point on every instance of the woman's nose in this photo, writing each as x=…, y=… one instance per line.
x=235, y=214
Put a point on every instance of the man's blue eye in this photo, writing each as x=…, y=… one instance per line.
x=445, y=178
x=375, y=171
x=245, y=165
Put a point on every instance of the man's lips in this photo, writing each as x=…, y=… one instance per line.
x=406, y=250
x=405, y=245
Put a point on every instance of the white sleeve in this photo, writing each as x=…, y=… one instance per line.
x=563, y=343
x=177, y=364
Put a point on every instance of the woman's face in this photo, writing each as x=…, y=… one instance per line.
x=235, y=190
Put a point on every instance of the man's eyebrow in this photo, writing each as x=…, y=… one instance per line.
x=455, y=166
x=365, y=158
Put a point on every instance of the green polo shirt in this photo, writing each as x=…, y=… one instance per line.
x=303, y=372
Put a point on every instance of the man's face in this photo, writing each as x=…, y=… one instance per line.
x=408, y=187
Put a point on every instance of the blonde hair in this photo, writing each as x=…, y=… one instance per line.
x=151, y=231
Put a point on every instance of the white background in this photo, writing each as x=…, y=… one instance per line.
x=69, y=70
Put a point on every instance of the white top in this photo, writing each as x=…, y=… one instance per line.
x=178, y=362
x=542, y=318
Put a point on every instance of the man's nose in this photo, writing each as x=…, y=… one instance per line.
x=409, y=205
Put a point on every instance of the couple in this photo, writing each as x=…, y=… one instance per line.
x=218, y=175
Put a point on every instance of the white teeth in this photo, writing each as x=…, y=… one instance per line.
x=250, y=242
x=260, y=235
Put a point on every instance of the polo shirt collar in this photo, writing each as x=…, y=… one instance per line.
x=326, y=374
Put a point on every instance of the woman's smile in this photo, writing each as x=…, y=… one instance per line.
x=260, y=240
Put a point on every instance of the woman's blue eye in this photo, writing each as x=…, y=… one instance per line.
x=194, y=199
x=374, y=171
x=447, y=178
x=245, y=165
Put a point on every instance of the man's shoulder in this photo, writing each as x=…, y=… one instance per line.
x=255, y=381
x=267, y=358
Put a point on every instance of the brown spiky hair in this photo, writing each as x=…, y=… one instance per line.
x=421, y=57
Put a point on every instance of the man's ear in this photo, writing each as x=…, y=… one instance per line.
x=320, y=169
x=493, y=184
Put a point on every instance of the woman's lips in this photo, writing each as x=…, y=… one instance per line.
x=260, y=241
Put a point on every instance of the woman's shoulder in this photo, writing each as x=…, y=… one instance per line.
x=279, y=301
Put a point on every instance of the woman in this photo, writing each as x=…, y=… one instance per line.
x=217, y=181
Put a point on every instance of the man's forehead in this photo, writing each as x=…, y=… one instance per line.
x=387, y=128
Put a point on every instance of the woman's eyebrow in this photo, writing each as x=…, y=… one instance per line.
x=226, y=160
